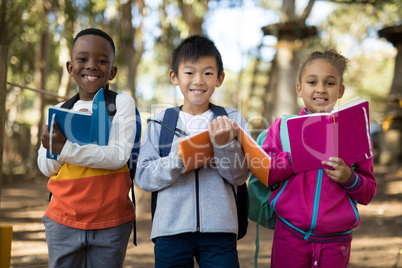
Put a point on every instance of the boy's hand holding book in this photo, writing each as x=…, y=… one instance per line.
x=222, y=130
x=58, y=139
x=198, y=151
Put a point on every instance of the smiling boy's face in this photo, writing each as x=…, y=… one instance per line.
x=197, y=81
x=91, y=64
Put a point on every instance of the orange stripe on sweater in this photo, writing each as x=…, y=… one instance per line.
x=95, y=201
x=69, y=172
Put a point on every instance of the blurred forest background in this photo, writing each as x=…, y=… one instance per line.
x=262, y=44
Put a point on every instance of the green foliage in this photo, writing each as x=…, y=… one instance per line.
x=352, y=29
x=347, y=29
x=370, y=77
x=12, y=13
x=374, y=3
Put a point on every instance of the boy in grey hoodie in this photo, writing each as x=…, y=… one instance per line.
x=195, y=215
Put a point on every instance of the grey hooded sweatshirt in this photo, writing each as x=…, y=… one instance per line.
x=186, y=203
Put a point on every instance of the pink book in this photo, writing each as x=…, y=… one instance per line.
x=344, y=133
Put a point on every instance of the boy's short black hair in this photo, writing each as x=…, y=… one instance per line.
x=194, y=47
x=98, y=32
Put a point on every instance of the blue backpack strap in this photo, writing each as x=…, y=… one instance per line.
x=132, y=164
x=110, y=101
x=217, y=110
x=168, y=123
x=166, y=137
x=284, y=134
x=70, y=103
x=136, y=149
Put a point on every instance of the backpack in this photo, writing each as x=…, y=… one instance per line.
x=110, y=102
x=259, y=209
x=169, y=123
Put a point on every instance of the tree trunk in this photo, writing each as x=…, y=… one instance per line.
x=131, y=47
x=280, y=93
x=281, y=89
x=286, y=97
x=3, y=22
x=127, y=42
x=65, y=81
x=40, y=100
x=3, y=94
x=271, y=94
x=66, y=18
x=288, y=11
x=191, y=17
x=391, y=145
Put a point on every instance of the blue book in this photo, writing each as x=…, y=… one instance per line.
x=81, y=127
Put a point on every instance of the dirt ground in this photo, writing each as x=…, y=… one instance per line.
x=377, y=241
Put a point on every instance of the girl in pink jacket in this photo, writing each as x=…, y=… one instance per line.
x=317, y=209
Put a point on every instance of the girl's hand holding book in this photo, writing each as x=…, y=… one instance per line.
x=341, y=173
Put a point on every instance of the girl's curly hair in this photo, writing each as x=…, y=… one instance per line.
x=332, y=56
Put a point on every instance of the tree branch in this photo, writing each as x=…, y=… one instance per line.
x=307, y=10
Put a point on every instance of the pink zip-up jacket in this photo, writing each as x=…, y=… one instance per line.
x=310, y=204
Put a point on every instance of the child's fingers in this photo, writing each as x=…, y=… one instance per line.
x=55, y=126
x=45, y=136
x=334, y=159
x=211, y=127
x=45, y=129
x=330, y=164
x=337, y=160
x=230, y=126
x=220, y=122
x=223, y=122
x=340, y=173
x=332, y=174
x=221, y=130
x=236, y=128
x=334, y=162
x=57, y=132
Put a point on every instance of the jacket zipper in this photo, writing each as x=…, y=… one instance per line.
x=316, y=203
x=197, y=198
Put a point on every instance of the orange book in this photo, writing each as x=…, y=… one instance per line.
x=198, y=151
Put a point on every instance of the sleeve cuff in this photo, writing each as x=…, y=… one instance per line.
x=289, y=159
x=64, y=151
x=352, y=182
x=225, y=145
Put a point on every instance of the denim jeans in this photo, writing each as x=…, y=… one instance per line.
x=70, y=247
x=209, y=249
